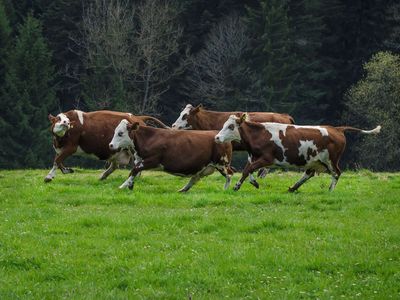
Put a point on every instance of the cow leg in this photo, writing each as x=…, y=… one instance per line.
x=307, y=175
x=111, y=168
x=67, y=151
x=51, y=174
x=250, y=168
x=191, y=182
x=227, y=172
x=206, y=171
x=253, y=180
x=335, y=177
x=148, y=163
x=58, y=163
x=262, y=173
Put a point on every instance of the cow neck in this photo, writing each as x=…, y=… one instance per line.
x=140, y=136
x=249, y=131
x=209, y=120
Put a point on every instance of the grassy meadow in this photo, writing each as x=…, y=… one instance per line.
x=77, y=237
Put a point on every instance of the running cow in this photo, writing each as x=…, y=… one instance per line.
x=315, y=149
x=182, y=153
x=200, y=119
x=79, y=133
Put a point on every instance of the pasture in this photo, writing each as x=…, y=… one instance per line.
x=77, y=237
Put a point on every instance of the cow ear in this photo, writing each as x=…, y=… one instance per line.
x=132, y=126
x=197, y=108
x=243, y=117
x=52, y=118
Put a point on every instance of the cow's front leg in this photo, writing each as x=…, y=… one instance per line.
x=51, y=174
x=58, y=163
x=148, y=163
x=66, y=151
x=250, y=168
x=253, y=180
x=111, y=168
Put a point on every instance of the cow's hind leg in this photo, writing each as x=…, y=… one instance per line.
x=262, y=173
x=227, y=172
x=307, y=175
x=335, y=177
x=111, y=168
x=206, y=171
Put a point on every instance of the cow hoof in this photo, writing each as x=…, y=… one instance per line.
x=48, y=179
x=67, y=171
x=291, y=190
x=255, y=184
x=183, y=190
x=130, y=187
x=102, y=177
x=236, y=188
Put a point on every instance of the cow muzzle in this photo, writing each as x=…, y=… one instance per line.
x=112, y=147
x=218, y=140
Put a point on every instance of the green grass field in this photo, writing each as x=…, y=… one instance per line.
x=77, y=237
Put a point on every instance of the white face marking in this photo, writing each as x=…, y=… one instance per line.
x=61, y=127
x=181, y=122
x=121, y=137
x=230, y=131
x=80, y=116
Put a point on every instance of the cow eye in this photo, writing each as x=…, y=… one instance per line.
x=184, y=117
x=120, y=133
x=231, y=127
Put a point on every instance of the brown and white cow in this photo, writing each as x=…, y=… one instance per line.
x=77, y=132
x=200, y=119
x=181, y=153
x=312, y=148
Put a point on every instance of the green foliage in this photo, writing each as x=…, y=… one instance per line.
x=5, y=41
x=269, y=57
x=81, y=238
x=26, y=99
x=374, y=100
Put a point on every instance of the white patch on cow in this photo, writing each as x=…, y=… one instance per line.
x=52, y=173
x=229, y=132
x=127, y=182
x=138, y=160
x=80, y=115
x=270, y=125
x=305, y=146
x=121, y=138
x=61, y=127
x=275, y=133
x=181, y=122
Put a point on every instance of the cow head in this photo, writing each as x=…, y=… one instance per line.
x=185, y=120
x=121, y=138
x=230, y=130
x=59, y=124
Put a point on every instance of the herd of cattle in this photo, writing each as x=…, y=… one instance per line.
x=270, y=139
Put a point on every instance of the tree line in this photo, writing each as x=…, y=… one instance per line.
x=324, y=62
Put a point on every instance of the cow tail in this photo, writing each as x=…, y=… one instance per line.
x=376, y=130
x=154, y=122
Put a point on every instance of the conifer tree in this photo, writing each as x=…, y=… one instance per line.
x=27, y=98
x=269, y=56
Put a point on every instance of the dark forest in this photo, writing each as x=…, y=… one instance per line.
x=331, y=62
